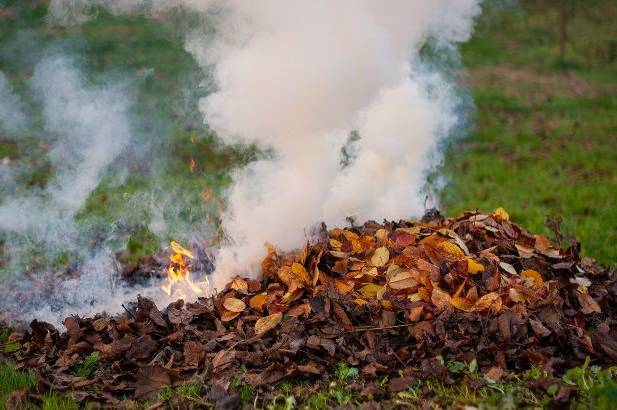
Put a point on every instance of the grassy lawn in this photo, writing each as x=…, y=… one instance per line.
x=545, y=130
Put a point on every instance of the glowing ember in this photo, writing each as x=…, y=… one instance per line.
x=179, y=275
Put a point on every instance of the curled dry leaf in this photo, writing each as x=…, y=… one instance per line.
x=234, y=305
x=268, y=323
x=462, y=303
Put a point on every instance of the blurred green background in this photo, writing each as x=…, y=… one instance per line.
x=543, y=75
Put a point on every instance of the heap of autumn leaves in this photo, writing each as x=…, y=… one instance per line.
x=398, y=299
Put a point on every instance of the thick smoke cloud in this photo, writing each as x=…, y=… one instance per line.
x=297, y=77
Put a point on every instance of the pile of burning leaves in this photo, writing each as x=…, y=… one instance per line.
x=394, y=299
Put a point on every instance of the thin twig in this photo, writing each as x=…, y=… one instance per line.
x=129, y=312
x=380, y=328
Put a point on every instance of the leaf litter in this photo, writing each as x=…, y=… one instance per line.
x=393, y=299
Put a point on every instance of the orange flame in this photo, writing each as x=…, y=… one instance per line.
x=179, y=274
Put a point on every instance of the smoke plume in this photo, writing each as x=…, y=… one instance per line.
x=298, y=78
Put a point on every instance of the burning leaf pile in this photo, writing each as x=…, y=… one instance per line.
x=398, y=300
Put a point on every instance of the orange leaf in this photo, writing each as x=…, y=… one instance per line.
x=268, y=323
x=462, y=303
x=491, y=301
x=301, y=309
x=257, y=301
x=234, y=305
x=532, y=279
x=227, y=315
x=343, y=286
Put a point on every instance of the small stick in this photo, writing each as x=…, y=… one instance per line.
x=380, y=328
x=129, y=312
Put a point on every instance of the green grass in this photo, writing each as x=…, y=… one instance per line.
x=544, y=138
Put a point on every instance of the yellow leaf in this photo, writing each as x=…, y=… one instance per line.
x=490, y=301
x=380, y=257
x=234, y=305
x=257, y=301
x=360, y=302
x=370, y=290
x=386, y=304
x=501, y=213
x=300, y=273
x=334, y=244
x=268, y=323
x=349, y=235
x=474, y=267
x=450, y=249
x=291, y=295
x=532, y=279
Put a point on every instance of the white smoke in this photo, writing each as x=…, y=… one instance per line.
x=13, y=119
x=89, y=128
x=296, y=77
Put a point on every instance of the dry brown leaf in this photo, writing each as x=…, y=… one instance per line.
x=402, y=280
x=228, y=315
x=343, y=286
x=588, y=304
x=440, y=298
x=234, y=305
x=268, y=323
x=490, y=301
x=240, y=285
